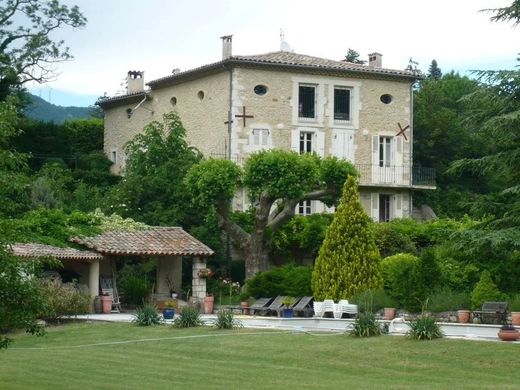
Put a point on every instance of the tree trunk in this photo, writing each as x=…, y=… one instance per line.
x=257, y=258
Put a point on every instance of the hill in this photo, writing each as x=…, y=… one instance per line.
x=42, y=110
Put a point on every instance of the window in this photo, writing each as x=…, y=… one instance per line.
x=260, y=89
x=384, y=208
x=307, y=101
x=305, y=142
x=341, y=104
x=386, y=98
x=385, y=151
x=173, y=101
x=260, y=138
x=304, y=208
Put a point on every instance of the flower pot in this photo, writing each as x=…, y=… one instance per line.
x=508, y=334
x=287, y=313
x=208, y=304
x=168, y=314
x=389, y=313
x=106, y=303
x=463, y=316
x=245, y=307
x=515, y=318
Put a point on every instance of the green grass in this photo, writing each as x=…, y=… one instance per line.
x=252, y=359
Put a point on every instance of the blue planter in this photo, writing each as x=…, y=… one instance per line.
x=287, y=313
x=168, y=314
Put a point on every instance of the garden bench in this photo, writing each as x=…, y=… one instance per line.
x=491, y=311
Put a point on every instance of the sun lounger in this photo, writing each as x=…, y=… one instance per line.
x=260, y=304
x=304, y=307
x=275, y=306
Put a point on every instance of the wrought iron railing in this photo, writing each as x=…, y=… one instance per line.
x=395, y=175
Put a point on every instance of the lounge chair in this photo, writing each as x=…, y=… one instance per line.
x=275, y=306
x=260, y=304
x=304, y=306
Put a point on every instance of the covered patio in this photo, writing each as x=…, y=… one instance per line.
x=98, y=260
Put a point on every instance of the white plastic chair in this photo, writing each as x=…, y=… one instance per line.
x=328, y=307
x=340, y=308
x=318, y=309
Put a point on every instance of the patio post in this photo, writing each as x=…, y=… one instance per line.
x=198, y=284
x=93, y=279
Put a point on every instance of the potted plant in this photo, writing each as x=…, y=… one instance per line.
x=204, y=273
x=287, y=311
x=463, y=315
x=508, y=333
x=208, y=304
x=389, y=313
x=106, y=303
x=169, y=309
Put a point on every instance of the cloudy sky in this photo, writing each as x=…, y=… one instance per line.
x=158, y=36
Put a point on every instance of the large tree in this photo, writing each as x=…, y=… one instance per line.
x=275, y=181
x=27, y=50
x=348, y=261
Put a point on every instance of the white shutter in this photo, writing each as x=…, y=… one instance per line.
x=398, y=162
x=295, y=141
x=375, y=150
x=320, y=143
x=375, y=206
x=256, y=137
x=398, y=206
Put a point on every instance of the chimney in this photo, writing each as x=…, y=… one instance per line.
x=134, y=81
x=375, y=60
x=227, y=41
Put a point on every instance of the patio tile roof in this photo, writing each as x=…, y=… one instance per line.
x=158, y=241
x=33, y=250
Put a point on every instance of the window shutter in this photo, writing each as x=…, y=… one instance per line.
x=375, y=150
x=295, y=141
x=375, y=206
x=398, y=151
x=320, y=143
x=256, y=137
x=398, y=206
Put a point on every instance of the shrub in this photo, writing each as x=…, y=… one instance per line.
x=135, y=290
x=447, y=299
x=400, y=275
x=391, y=240
x=62, y=299
x=147, y=315
x=226, y=320
x=348, y=261
x=485, y=290
x=513, y=303
x=424, y=328
x=372, y=300
x=365, y=326
x=189, y=317
x=287, y=280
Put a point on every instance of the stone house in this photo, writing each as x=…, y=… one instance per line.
x=242, y=104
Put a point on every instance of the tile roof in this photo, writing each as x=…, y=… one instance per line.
x=290, y=60
x=40, y=250
x=129, y=97
x=155, y=241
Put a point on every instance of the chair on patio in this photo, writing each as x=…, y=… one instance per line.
x=343, y=307
x=304, y=306
x=328, y=307
x=318, y=309
x=260, y=304
x=108, y=288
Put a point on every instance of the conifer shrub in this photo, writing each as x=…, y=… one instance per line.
x=485, y=290
x=348, y=261
x=400, y=275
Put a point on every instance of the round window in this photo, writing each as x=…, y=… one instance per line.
x=200, y=95
x=386, y=98
x=260, y=89
x=173, y=101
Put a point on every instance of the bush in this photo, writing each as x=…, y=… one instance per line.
x=485, y=290
x=62, y=299
x=287, y=280
x=372, y=300
x=446, y=299
x=188, y=318
x=513, y=303
x=400, y=275
x=226, y=320
x=135, y=289
x=365, y=326
x=424, y=328
x=147, y=315
x=391, y=240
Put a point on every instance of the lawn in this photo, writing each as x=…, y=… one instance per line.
x=84, y=355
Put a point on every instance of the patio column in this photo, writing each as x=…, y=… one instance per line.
x=93, y=279
x=198, y=284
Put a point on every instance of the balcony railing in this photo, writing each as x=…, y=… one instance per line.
x=399, y=176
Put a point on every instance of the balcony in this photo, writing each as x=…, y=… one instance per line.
x=396, y=176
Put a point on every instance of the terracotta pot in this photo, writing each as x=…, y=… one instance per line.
x=463, y=316
x=208, y=304
x=515, y=318
x=245, y=307
x=508, y=335
x=389, y=313
x=106, y=303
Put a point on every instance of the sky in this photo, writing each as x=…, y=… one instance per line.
x=157, y=36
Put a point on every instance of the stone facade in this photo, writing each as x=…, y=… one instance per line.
x=379, y=106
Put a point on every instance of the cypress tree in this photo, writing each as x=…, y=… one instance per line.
x=348, y=261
